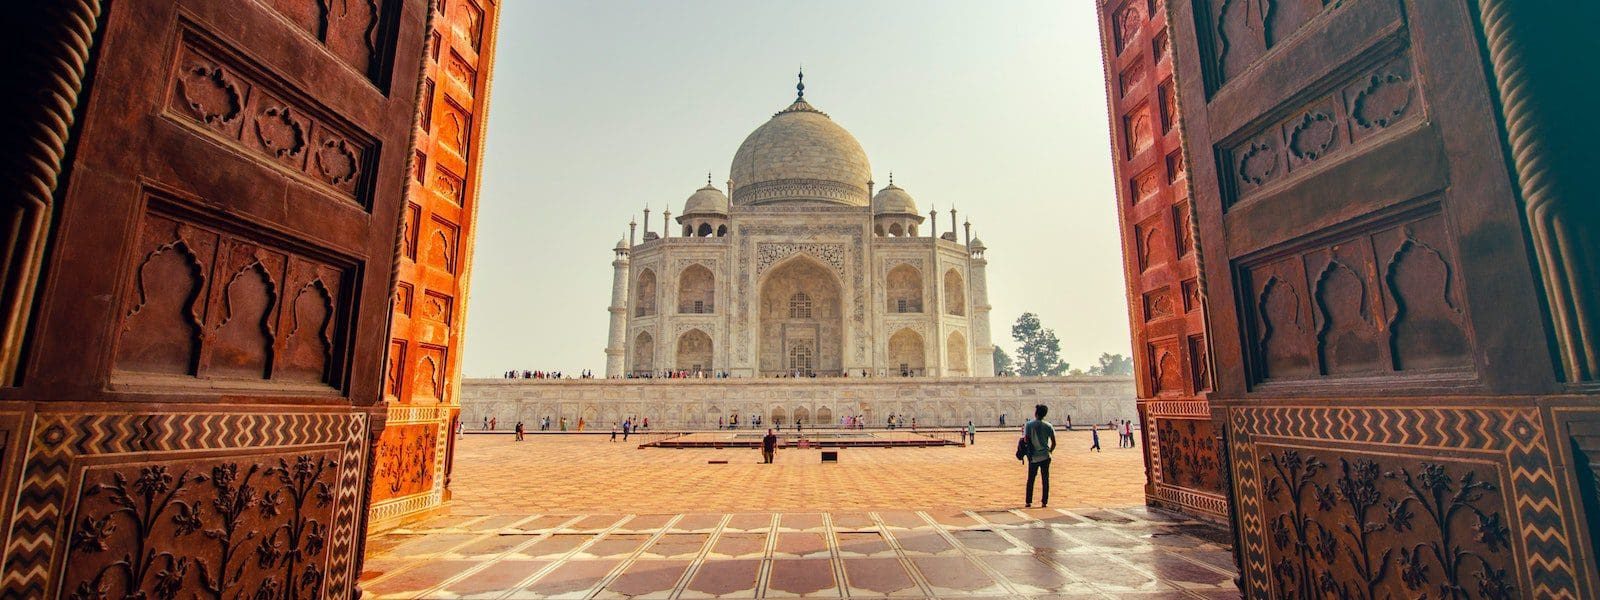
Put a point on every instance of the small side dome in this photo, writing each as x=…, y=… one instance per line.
x=977, y=244
x=892, y=200
x=622, y=244
x=706, y=200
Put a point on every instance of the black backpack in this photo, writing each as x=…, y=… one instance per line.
x=1023, y=448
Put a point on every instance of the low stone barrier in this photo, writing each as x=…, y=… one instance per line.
x=699, y=403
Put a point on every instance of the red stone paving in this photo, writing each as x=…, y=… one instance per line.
x=802, y=577
x=647, y=579
x=572, y=576
x=806, y=544
x=718, y=578
x=735, y=545
x=878, y=577
x=497, y=577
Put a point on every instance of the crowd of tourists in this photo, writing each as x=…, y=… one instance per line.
x=514, y=374
x=677, y=374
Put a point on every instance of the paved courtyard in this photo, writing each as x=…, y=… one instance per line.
x=576, y=516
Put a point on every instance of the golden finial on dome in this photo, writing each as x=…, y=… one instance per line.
x=801, y=86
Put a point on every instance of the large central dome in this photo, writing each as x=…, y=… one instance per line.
x=800, y=155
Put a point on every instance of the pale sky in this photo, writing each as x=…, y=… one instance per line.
x=600, y=108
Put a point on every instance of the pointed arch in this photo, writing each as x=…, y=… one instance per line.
x=694, y=351
x=644, y=353
x=956, y=355
x=697, y=289
x=955, y=293
x=904, y=286
x=907, y=353
x=644, y=294
x=704, y=230
x=801, y=318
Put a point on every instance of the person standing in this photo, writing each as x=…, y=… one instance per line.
x=1094, y=432
x=1042, y=441
x=519, y=431
x=972, y=434
x=613, y=431
x=486, y=423
x=1127, y=429
x=461, y=430
x=769, y=447
x=493, y=422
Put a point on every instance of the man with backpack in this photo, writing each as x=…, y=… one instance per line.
x=1038, y=441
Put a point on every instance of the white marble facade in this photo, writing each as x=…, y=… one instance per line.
x=804, y=271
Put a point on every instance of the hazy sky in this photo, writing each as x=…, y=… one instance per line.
x=600, y=108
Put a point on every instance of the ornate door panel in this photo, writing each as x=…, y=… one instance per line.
x=197, y=389
x=412, y=468
x=1161, y=262
x=1385, y=379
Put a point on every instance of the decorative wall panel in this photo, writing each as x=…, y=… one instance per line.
x=424, y=376
x=1403, y=408
x=193, y=409
x=1161, y=264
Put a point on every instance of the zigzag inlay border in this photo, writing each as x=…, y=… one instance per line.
x=1517, y=434
x=57, y=439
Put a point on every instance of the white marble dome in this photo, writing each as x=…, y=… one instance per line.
x=706, y=200
x=800, y=155
x=893, y=200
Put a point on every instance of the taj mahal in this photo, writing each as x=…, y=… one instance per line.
x=802, y=269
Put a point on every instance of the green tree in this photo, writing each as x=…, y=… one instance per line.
x=1039, y=352
x=1112, y=364
x=1002, y=362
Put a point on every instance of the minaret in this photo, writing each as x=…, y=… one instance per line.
x=616, y=341
x=983, y=355
x=647, y=223
x=632, y=226
x=968, y=227
x=933, y=221
x=666, y=221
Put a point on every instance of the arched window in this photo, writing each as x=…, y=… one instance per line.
x=645, y=294
x=800, y=357
x=705, y=230
x=799, y=306
x=904, y=289
x=878, y=229
x=688, y=230
x=897, y=230
x=696, y=291
x=722, y=230
x=955, y=293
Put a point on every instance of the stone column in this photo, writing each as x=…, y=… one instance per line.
x=616, y=342
x=983, y=355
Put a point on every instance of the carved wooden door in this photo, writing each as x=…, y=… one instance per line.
x=194, y=406
x=1383, y=368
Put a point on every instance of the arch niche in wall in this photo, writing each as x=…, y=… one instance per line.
x=801, y=318
x=955, y=296
x=907, y=356
x=956, y=354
